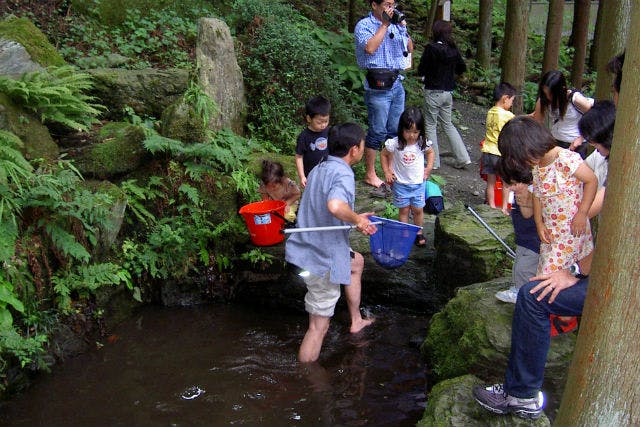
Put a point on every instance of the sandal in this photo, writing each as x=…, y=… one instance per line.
x=420, y=240
x=383, y=191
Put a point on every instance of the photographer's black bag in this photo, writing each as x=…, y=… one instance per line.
x=381, y=78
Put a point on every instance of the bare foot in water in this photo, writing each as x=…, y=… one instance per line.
x=361, y=324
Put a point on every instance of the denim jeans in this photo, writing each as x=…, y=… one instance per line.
x=384, y=108
x=530, y=337
x=438, y=105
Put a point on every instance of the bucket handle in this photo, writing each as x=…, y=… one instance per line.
x=287, y=223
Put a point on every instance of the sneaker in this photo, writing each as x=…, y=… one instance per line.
x=510, y=295
x=495, y=399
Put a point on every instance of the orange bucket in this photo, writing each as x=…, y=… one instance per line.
x=264, y=227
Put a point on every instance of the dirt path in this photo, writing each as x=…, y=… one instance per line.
x=464, y=185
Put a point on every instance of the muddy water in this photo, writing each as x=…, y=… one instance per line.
x=224, y=365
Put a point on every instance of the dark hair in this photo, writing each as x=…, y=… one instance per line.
x=522, y=141
x=409, y=117
x=343, y=137
x=271, y=172
x=557, y=84
x=596, y=125
x=318, y=106
x=503, y=89
x=615, y=66
x=441, y=32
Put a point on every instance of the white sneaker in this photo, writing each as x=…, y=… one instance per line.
x=510, y=295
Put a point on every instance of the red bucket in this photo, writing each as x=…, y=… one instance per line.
x=264, y=227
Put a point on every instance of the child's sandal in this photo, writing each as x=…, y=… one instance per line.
x=420, y=240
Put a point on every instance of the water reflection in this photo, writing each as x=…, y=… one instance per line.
x=228, y=365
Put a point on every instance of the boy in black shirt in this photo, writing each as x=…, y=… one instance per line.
x=312, y=146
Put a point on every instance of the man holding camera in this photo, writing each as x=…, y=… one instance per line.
x=382, y=47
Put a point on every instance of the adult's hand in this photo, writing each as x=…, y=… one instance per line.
x=364, y=224
x=553, y=284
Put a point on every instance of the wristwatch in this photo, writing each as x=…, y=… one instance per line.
x=575, y=271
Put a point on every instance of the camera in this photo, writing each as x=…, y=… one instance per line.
x=397, y=17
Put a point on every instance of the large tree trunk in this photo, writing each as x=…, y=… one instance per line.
x=593, y=52
x=602, y=385
x=611, y=41
x=553, y=35
x=579, y=35
x=514, y=49
x=483, y=55
x=431, y=19
x=353, y=15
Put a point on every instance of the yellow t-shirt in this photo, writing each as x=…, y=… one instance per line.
x=497, y=117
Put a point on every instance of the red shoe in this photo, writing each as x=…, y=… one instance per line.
x=562, y=324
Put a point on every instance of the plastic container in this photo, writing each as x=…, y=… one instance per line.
x=392, y=243
x=264, y=220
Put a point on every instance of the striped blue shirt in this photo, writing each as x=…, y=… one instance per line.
x=390, y=52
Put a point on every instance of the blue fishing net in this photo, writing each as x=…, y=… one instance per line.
x=392, y=243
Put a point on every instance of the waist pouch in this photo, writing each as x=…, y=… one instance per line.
x=381, y=78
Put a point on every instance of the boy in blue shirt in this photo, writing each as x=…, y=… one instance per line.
x=312, y=146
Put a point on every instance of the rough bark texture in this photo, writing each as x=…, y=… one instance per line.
x=431, y=19
x=483, y=55
x=611, y=41
x=553, y=35
x=603, y=387
x=514, y=50
x=579, y=36
x=593, y=52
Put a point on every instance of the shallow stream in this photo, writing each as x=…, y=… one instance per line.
x=219, y=365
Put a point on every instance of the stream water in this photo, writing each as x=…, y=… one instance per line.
x=220, y=365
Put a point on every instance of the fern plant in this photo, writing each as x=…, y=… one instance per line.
x=204, y=106
x=56, y=95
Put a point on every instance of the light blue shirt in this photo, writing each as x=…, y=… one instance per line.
x=322, y=251
x=390, y=53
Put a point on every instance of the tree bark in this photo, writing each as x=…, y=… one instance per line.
x=431, y=19
x=514, y=49
x=483, y=54
x=602, y=385
x=353, y=15
x=553, y=35
x=611, y=41
x=593, y=52
x=580, y=33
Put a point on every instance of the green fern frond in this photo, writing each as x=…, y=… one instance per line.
x=66, y=242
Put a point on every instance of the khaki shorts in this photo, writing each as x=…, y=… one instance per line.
x=322, y=295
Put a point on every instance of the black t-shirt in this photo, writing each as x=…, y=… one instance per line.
x=313, y=147
x=439, y=65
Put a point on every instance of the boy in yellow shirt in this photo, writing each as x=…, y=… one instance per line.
x=497, y=117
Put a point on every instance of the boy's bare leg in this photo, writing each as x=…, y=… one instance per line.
x=352, y=292
x=370, y=176
x=491, y=181
x=312, y=341
x=403, y=214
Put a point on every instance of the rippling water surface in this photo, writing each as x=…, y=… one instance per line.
x=223, y=365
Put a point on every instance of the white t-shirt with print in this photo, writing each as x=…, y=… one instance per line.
x=408, y=164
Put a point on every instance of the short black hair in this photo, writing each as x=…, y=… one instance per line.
x=596, y=125
x=318, y=106
x=343, y=137
x=502, y=89
x=522, y=141
x=409, y=117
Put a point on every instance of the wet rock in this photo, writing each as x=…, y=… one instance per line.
x=451, y=403
x=472, y=334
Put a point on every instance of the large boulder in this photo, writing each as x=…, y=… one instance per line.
x=451, y=403
x=181, y=122
x=24, y=48
x=220, y=75
x=472, y=334
x=466, y=252
x=35, y=136
x=116, y=151
x=147, y=92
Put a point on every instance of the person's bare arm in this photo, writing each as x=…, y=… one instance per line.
x=300, y=170
x=586, y=175
x=341, y=210
x=556, y=282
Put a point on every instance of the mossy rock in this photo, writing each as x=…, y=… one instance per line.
x=23, y=31
x=451, y=404
x=118, y=150
x=472, y=334
x=466, y=252
x=180, y=121
x=109, y=230
x=38, y=143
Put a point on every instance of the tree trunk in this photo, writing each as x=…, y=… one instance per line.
x=553, y=35
x=514, y=49
x=611, y=41
x=431, y=19
x=593, y=52
x=580, y=33
x=484, y=33
x=353, y=15
x=602, y=385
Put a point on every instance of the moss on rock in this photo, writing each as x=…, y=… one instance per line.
x=23, y=31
